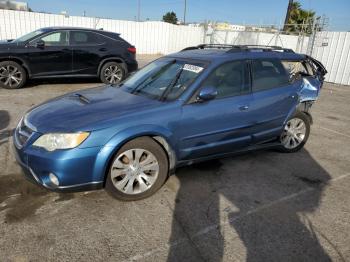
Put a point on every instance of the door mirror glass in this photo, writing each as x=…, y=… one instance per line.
x=207, y=93
x=40, y=44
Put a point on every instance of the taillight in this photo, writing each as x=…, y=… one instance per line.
x=132, y=50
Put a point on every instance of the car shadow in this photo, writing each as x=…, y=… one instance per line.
x=262, y=198
x=4, y=123
x=81, y=80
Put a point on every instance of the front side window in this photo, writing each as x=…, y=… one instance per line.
x=85, y=38
x=164, y=79
x=230, y=79
x=268, y=73
x=59, y=38
x=29, y=36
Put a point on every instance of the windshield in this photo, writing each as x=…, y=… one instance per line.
x=29, y=36
x=163, y=79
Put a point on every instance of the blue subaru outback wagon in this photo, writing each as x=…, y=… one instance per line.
x=204, y=102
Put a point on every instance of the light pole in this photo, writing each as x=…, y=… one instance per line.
x=185, y=11
x=138, y=10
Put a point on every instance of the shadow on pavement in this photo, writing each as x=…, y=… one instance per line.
x=262, y=197
x=35, y=82
x=4, y=123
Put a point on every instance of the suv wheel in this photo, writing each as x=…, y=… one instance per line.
x=138, y=170
x=112, y=73
x=295, y=133
x=12, y=75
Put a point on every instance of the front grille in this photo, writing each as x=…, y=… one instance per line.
x=22, y=133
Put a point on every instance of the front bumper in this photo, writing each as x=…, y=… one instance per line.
x=73, y=168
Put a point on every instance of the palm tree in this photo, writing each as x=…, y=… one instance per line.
x=300, y=20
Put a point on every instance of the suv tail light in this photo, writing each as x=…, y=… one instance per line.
x=132, y=49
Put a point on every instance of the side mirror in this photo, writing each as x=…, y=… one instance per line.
x=207, y=93
x=40, y=44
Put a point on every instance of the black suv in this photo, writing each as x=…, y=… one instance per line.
x=65, y=52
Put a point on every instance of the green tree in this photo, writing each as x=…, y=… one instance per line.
x=170, y=17
x=300, y=20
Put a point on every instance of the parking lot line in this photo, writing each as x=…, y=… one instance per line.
x=333, y=131
x=210, y=228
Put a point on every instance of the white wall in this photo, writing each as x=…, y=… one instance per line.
x=148, y=37
x=335, y=56
x=163, y=38
x=296, y=43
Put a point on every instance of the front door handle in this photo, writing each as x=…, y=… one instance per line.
x=244, y=108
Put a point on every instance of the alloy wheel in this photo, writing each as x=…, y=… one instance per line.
x=10, y=76
x=113, y=74
x=293, y=134
x=134, y=171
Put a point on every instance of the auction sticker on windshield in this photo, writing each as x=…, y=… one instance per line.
x=193, y=68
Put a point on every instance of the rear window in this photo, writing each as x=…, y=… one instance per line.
x=268, y=73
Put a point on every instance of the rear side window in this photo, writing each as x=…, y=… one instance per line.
x=230, y=79
x=85, y=38
x=294, y=67
x=268, y=73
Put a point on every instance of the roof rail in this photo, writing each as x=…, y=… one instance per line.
x=237, y=48
x=204, y=46
x=264, y=48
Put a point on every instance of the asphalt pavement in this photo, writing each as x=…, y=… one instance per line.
x=261, y=206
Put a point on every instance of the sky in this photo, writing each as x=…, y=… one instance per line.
x=253, y=12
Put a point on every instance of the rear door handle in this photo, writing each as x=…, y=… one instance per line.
x=103, y=49
x=243, y=108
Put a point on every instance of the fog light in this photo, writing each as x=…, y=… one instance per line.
x=54, y=179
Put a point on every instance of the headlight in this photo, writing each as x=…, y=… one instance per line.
x=53, y=141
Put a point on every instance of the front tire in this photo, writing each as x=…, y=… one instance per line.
x=138, y=170
x=12, y=75
x=112, y=73
x=295, y=133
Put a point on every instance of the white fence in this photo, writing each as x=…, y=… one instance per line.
x=148, y=37
x=298, y=44
x=333, y=50
x=162, y=38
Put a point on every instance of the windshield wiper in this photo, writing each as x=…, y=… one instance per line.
x=145, y=83
x=171, y=85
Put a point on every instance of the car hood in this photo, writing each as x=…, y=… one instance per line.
x=86, y=110
x=6, y=44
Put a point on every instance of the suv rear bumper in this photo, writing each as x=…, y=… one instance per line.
x=132, y=66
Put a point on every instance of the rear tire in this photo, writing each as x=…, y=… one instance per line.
x=296, y=133
x=112, y=73
x=138, y=170
x=12, y=75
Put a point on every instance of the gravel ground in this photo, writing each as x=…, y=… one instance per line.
x=262, y=206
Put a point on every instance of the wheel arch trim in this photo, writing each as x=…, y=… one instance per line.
x=160, y=135
x=303, y=107
x=18, y=60
x=112, y=59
